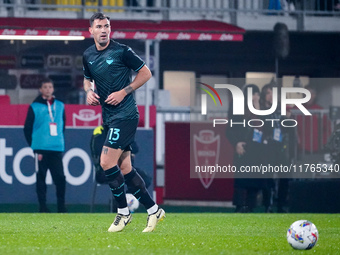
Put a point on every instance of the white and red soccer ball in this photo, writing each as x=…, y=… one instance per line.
x=302, y=235
x=132, y=202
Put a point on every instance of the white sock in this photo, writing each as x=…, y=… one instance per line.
x=125, y=211
x=152, y=209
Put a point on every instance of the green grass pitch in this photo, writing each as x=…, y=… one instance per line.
x=179, y=233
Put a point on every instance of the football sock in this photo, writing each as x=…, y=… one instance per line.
x=124, y=211
x=116, y=182
x=136, y=186
x=153, y=209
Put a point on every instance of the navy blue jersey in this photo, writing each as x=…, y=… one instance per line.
x=110, y=69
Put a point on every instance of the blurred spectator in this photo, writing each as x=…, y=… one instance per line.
x=310, y=128
x=295, y=5
x=275, y=5
x=132, y=3
x=249, y=151
x=276, y=146
x=337, y=6
x=135, y=3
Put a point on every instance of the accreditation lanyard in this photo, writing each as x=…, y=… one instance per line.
x=53, y=125
x=277, y=134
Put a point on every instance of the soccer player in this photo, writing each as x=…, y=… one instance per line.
x=108, y=64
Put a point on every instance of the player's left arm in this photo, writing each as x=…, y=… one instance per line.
x=64, y=120
x=143, y=75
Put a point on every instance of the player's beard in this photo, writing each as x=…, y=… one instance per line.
x=103, y=44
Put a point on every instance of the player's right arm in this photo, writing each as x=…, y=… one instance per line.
x=28, y=127
x=91, y=96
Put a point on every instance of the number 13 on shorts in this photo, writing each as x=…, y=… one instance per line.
x=114, y=134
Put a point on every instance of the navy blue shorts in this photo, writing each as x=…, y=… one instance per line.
x=121, y=134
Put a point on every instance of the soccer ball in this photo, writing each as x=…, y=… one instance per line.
x=132, y=202
x=302, y=235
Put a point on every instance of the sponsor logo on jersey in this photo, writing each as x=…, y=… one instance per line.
x=109, y=60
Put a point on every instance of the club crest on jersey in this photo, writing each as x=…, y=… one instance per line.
x=109, y=60
x=206, y=153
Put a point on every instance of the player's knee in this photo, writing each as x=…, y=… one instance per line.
x=125, y=168
x=107, y=164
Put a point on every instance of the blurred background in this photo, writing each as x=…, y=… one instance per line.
x=288, y=43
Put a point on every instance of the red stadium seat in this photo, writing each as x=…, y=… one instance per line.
x=5, y=99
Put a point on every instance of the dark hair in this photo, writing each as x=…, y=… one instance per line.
x=245, y=92
x=309, y=87
x=253, y=86
x=45, y=80
x=98, y=15
x=263, y=94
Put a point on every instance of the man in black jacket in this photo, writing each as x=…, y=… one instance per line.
x=44, y=132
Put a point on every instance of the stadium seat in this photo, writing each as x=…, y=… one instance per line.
x=5, y=99
x=95, y=3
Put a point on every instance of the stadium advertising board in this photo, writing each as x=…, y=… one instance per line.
x=205, y=143
x=17, y=168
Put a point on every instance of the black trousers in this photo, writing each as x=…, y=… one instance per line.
x=53, y=161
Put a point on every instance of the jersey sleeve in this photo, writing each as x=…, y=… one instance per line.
x=28, y=127
x=87, y=73
x=132, y=60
